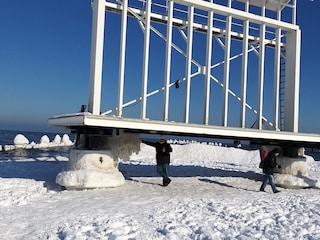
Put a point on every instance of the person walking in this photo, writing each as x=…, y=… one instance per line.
x=269, y=163
x=163, y=150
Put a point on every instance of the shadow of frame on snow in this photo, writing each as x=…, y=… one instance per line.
x=130, y=170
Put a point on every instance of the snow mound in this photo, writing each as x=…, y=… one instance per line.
x=57, y=139
x=292, y=181
x=44, y=141
x=20, y=140
x=66, y=140
x=86, y=179
x=90, y=169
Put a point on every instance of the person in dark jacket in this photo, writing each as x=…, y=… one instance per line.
x=269, y=163
x=163, y=150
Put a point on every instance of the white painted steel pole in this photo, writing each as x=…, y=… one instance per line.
x=208, y=68
x=145, y=60
x=168, y=61
x=226, y=70
x=261, y=70
x=122, y=55
x=291, y=103
x=188, y=63
x=97, y=40
x=244, y=72
x=294, y=12
x=277, y=57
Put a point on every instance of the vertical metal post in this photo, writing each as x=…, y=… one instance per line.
x=244, y=72
x=226, y=70
x=261, y=69
x=188, y=63
x=291, y=101
x=97, y=40
x=122, y=55
x=294, y=11
x=277, y=57
x=292, y=80
x=168, y=61
x=208, y=68
x=145, y=60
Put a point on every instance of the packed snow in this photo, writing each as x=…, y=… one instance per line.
x=213, y=195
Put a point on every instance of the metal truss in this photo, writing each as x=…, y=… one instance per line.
x=199, y=16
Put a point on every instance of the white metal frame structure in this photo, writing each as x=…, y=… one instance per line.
x=258, y=25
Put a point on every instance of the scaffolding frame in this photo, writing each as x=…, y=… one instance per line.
x=286, y=35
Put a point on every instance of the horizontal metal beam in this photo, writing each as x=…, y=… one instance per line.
x=87, y=120
x=235, y=13
x=155, y=17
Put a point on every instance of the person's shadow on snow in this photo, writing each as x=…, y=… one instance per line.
x=137, y=170
x=224, y=184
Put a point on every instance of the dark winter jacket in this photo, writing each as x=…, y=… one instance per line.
x=269, y=163
x=162, y=151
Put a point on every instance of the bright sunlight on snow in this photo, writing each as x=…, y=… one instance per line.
x=213, y=195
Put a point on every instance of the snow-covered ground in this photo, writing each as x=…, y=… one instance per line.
x=213, y=195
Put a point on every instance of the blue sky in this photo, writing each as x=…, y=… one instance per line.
x=45, y=61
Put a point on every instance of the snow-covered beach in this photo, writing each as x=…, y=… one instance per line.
x=213, y=195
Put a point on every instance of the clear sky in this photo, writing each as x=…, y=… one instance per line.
x=45, y=60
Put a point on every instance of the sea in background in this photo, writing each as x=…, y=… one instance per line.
x=7, y=138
